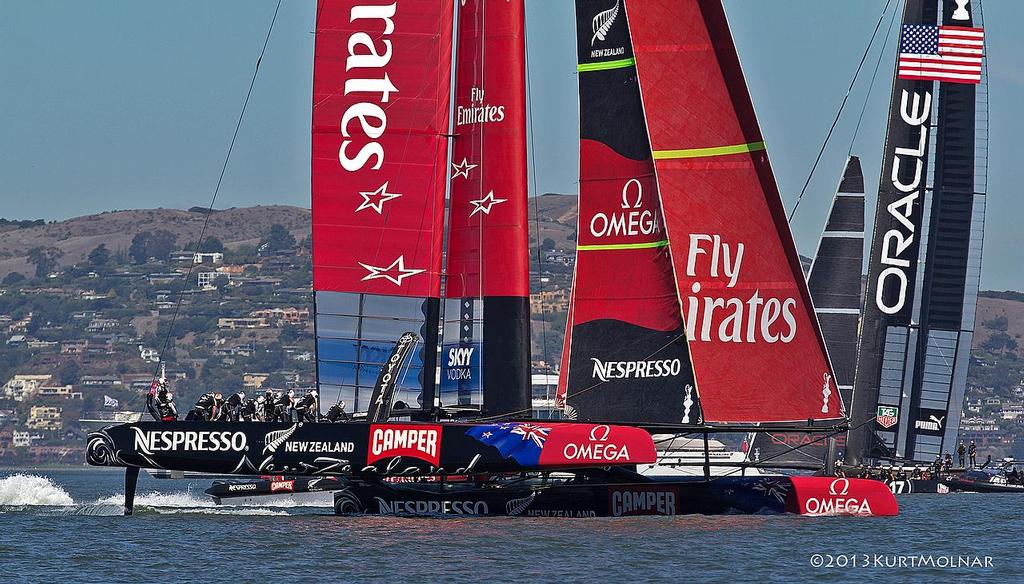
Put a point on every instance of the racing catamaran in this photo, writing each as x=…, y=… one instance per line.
x=689, y=311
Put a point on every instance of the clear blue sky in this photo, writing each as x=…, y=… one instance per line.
x=114, y=105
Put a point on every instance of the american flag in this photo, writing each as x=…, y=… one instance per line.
x=941, y=53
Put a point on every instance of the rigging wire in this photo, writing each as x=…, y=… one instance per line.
x=216, y=191
x=839, y=113
x=871, y=85
x=533, y=180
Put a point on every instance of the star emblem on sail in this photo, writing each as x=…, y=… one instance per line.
x=462, y=169
x=485, y=204
x=394, y=273
x=375, y=199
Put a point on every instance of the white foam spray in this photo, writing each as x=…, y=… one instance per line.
x=24, y=489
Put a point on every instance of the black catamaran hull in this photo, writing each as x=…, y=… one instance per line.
x=591, y=496
x=909, y=486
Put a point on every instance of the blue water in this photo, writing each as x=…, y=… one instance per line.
x=65, y=525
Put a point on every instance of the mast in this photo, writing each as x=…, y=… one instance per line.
x=486, y=348
x=381, y=95
x=918, y=324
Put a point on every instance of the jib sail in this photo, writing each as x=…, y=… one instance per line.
x=758, y=353
x=381, y=85
x=925, y=260
x=626, y=357
x=485, y=358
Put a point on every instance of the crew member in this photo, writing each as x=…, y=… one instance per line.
x=269, y=401
x=948, y=462
x=151, y=400
x=217, y=413
x=204, y=408
x=961, y=453
x=972, y=452
x=233, y=406
x=165, y=406
x=254, y=410
x=337, y=413
x=283, y=406
x=307, y=408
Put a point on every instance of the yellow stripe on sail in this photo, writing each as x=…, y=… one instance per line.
x=704, y=152
x=599, y=247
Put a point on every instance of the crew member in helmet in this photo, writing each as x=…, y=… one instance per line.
x=307, y=408
x=165, y=406
x=151, y=400
x=202, y=408
x=283, y=406
x=336, y=413
x=217, y=413
x=162, y=407
x=252, y=410
x=269, y=405
x=233, y=407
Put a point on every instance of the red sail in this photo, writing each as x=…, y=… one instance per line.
x=758, y=354
x=381, y=100
x=486, y=342
x=380, y=117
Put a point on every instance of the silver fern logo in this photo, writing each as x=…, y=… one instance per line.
x=276, y=438
x=603, y=22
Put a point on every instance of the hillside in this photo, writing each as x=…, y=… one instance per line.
x=555, y=217
x=1000, y=316
x=75, y=238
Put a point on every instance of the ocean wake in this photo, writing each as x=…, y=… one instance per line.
x=185, y=503
x=29, y=490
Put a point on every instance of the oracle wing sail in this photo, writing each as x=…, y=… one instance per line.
x=835, y=284
x=925, y=260
x=625, y=355
x=757, y=350
x=486, y=348
x=381, y=99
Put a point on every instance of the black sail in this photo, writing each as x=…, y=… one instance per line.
x=835, y=276
x=920, y=302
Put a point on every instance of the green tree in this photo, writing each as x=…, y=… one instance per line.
x=100, y=255
x=212, y=245
x=152, y=244
x=275, y=381
x=161, y=243
x=547, y=244
x=138, y=250
x=45, y=259
x=277, y=239
x=13, y=278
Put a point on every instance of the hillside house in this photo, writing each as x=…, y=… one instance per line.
x=44, y=418
x=21, y=386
